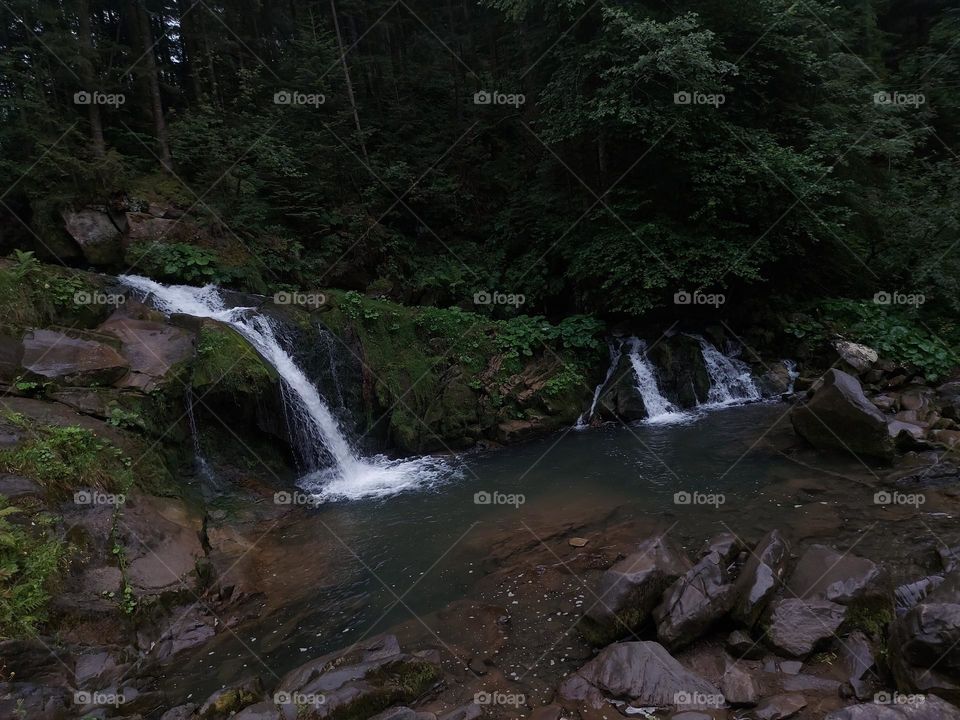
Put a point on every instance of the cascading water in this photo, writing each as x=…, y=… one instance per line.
x=335, y=469
x=616, y=352
x=659, y=409
x=792, y=373
x=730, y=379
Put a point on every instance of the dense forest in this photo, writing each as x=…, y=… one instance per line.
x=592, y=157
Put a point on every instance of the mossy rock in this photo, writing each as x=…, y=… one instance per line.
x=227, y=363
x=399, y=683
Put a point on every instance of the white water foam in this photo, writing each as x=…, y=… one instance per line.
x=660, y=411
x=336, y=470
x=616, y=351
x=731, y=382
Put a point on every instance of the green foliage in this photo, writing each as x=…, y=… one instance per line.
x=180, y=263
x=65, y=458
x=899, y=334
x=30, y=557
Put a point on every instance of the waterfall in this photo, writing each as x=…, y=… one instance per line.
x=335, y=469
x=659, y=409
x=730, y=379
x=792, y=372
x=616, y=352
x=201, y=466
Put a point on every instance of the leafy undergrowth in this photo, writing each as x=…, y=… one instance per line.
x=30, y=557
x=899, y=333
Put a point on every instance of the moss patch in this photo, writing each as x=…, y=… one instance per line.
x=227, y=361
x=401, y=682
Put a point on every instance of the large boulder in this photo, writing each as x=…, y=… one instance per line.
x=681, y=371
x=59, y=357
x=825, y=574
x=898, y=707
x=797, y=627
x=840, y=417
x=620, y=399
x=98, y=232
x=760, y=578
x=694, y=602
x=643, y=673
x=632, y=588
x=925, y=643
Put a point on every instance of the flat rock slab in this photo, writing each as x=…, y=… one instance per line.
x=825, y=574
x=152, y=349
x=779, y=707
x=53, y=355
x=643, y=672
x=798, y=626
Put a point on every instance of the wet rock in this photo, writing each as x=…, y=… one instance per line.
x=56, y=356
x=859, y=358
x=738, y=686
x=886, y=402
x=620, y=399
x=925, y=643
x=97, y=670
x=403, y=713
x=14, y=486
x=694, y=602
x=36, y=702
x=229, y=700
x=11, y=356
x=152, y=349
x=902, y=432
x=631, y=589
x=910, y=595
x=856, y=655
x=760, y=578
x=779, y=707
x=547, y=712
x=181, y=712
x=162, y=537
x=642, y=672
x=839, y=417
x=98, y=232
x=929, y=707
x=798, y=626
x=948, y=438
x=823, y=573
x=777, y=380
x=258, y=711
x=949, y=558
x=471, y=711
x=690, y=715
x=741, y=645
x=338, y=680
x=727, y=545
x=182, y=629
x=39, y=660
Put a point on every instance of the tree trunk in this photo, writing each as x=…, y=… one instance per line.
x=88, y=74
x=346, y=76
x=153, y=83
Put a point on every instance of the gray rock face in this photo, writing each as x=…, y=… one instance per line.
x=823, y=573
x=151, y=348
x=259, y=711
x=840, y=417
x=98, y=234
x=929, y=708
x=620, y=398
x=632, y=588
x=52, y=355
x=856, y=655
x=760, y=578
x=643, y=672
x=925, y=643
x=859, y=358
x=738, y=686
x=694, y=602
x=798, y=626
